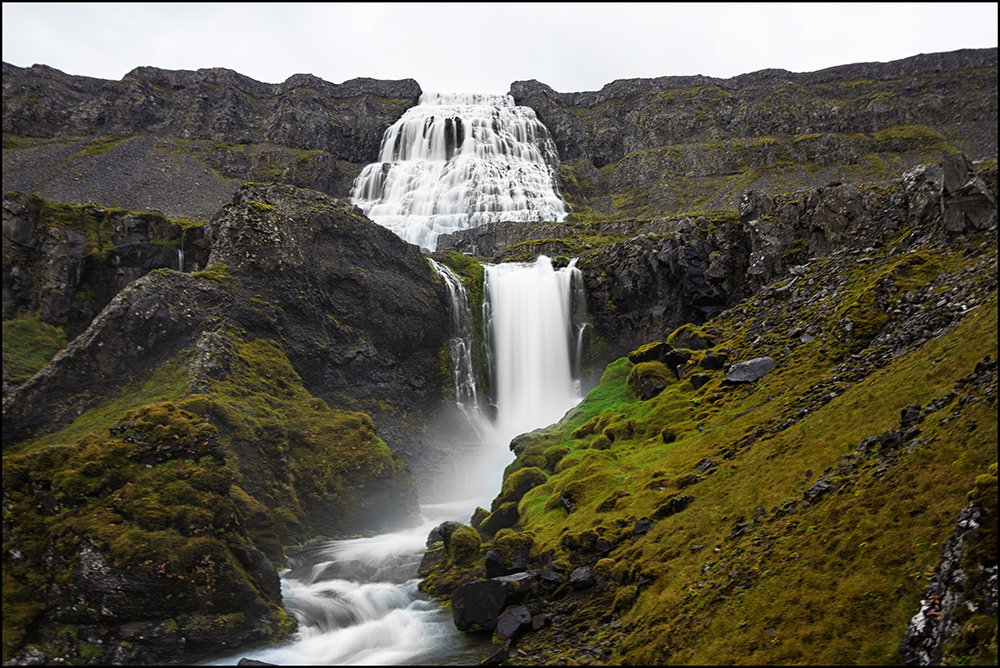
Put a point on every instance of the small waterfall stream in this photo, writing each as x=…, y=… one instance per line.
x=460, y=344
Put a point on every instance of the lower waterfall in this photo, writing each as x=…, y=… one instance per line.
x=356, y=600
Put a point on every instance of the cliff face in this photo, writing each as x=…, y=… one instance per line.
x=65, y=263
x=304, y=112
x=645, y=148
x=181, y=142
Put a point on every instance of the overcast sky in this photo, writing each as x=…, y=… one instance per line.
x=484, y=47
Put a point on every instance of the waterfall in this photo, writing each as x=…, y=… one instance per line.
x=533, y=315
x=460, y=343
x=180, y=252
x=356, y=600
x=454, y=162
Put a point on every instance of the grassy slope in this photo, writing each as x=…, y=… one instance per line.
x=834, y=580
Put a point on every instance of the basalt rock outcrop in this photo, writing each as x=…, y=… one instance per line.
x=65, y=263
x=217, y=104
x=294, y=265
x=646, y=278
x=182, y=141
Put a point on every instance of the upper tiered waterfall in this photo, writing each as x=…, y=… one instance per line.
x=458, y=161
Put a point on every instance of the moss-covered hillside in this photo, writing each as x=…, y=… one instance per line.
x=676, y=516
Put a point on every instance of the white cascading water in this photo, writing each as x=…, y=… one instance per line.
x=460, y=343
x=531, y=311
x=456, y=161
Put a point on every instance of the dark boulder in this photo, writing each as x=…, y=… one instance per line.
x=442, y=532
x=502, y=518
x=513, y=622
x=477, y=605
x=642, y=526
x=698, y=380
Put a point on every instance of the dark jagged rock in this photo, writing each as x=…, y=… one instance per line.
x=513, y=622
x=701, y=130
x=582, y=577
x=642, y=526
x=937, y=623
x=675, y=505
x=477, y=605
x=274, y=241
x=304, y=112
x=442, y=532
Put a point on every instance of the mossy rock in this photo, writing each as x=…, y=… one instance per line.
x=463, y=545
x=554, y=455
x=692, y=337
x=602, y=442
x=648, y=379
x=510, y=543
x=518, y=483
x=650, y=352
x=624, y=598
x=503, y=517
x=478, y=515
x=623, y=430
x=605, y=567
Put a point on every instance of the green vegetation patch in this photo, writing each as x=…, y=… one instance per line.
x=28, y=345
x=100, y=145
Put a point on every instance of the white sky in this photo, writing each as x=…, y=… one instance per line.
x=484, y=47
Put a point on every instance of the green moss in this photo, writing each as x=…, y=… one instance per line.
x=902, y=138
x=463, y=545
x=175, y=487
x=648, y=371
x=215, y=272
x=517, y=484
x=12, y=142
x=28, y=345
